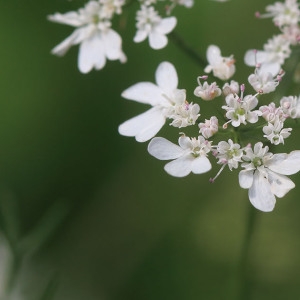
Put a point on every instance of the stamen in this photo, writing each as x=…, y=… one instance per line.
x=212, y=180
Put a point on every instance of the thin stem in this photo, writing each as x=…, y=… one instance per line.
x=243, y=265
x=180, y=42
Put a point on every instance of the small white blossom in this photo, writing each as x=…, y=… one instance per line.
x=284, y=14
x=189, y=156
x=97, y=40
x=264, y=175
x=232, y=88
x=111, y=7
x=222, y=67
x=209, y=128
x=150, y=24
x=184, y=114
x=239, y=111
x=162, y=96
x=275, y=132
x=229, y=154
x=270, y=112
x=207, y=91
x=276, y=50
x=263, y=82
x=291, y=106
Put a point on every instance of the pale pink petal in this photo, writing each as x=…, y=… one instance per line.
x=91, y=54
x=260, y=194
x=285, y=164
x=144, y=126
x=270, y=67
x=144, y=92
x=163, y=149
x=166, y=78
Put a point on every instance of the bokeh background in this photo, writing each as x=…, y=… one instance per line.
x=99, y=218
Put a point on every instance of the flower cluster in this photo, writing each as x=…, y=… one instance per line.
x=98, y=41
x=252, y=127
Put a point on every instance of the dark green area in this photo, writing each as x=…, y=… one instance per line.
x=114, y=225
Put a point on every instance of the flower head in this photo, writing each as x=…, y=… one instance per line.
x=97, y=40
x=222, y=67
x=189, y=156
x=150, y=24
x=264, y=175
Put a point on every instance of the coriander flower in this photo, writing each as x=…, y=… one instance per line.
x=163, y=97
x=222, y=67
x=291, y=106
x=239, y=110
x=275, y=132
x=276, y=50
x=263, y=82
x=97, y=40
x=209, y=127
x=150, y=24
x=189, y=156
x=264, y=175
x=207, y=91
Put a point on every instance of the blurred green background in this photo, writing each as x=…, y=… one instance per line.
x=106, y=221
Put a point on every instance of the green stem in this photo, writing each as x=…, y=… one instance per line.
x=180, y=42
x=243, y=265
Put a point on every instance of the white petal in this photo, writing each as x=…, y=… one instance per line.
x=252, y=57
x=163, y=149
x=166, y=78
x=213, y=55
x=144, y=126
x=180, y=167
x=280, y=184
x=144, y=92
x=157, y=40
x=70, y=18
x=91, y=54
x=75, y=38
x=246, y=178
x=285, y=164
x=260, y=194
x=140, y=36
x=113, y=45
x=270, y=67
x=166, y=25
x=201, y=165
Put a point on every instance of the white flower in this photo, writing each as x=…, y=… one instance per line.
x=209, y=128
x=162, y=96
x=189, y=156
x=207, y=91
x=264, y=175
x=239, y=110
x=275, y=132
x=229, y=154
x=97, y=40
x=284, y=14
x=232, y=88
x=272, y=57
x=222, y=67
x=263, y=82
x=110, y=7
x=270, y=112
x=150, y=24
x=184, y=114
x=291, y=106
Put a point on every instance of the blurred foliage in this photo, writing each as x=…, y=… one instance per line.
x=122, y=228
